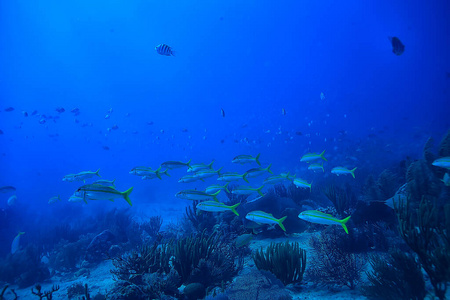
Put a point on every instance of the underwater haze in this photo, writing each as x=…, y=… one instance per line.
x=115, y=85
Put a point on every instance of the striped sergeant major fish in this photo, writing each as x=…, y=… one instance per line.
x=164, y=49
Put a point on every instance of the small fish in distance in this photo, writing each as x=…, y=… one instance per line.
x=164, y=49
x=75, y=111
x=7, y=189
x=397, y=46
x=443, y=162
x=12, y=200
x=16, y=243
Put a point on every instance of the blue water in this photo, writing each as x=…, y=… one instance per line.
x=250, y=58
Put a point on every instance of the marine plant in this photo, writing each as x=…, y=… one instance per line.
x=199, y=221
x=255, y=284
x=189, y=251
x=117, y=221
x=398, y=276
x=44, y=294
x=234, y=198
x=421, y=182
x=2, y=293
x=444, y=147
x=297, y=195
x=66, y=256
x=75, y=290
x=331, y=263
x=144, y=260
x=280, y=190
x=343, y=199
x=427, y=232
x=384, y=187
x=24, y=267
x=286, y=261
x=152, y=226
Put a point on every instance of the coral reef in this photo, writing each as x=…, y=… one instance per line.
x=153, y=286
x=421, y=182
x=209, y=260
x=153, y=226
x=146, y=259
x=199, y=221
x=427, y=233
x=384, y=187
x=343, y=199
x=2, y=293
x=99, y=246
x=297, y=195
x=24, y=267
x=256, y=286
x=286, y=261
x=331, y=264
x=66, y=256
x=42, y=294
x=398, y=276
x=444, y=147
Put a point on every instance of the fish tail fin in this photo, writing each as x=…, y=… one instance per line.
x=215, y=195
x=165, y=172
x=245, y=177
x=257, y=158
x=21, y=232
x=323, y=157
x=126, y=195
x=113, y=182
x=343, y=222
x=233, y=209
x=259, y=190
x=218, y=171
x=96, y=173
x=268, y=169
x=225, y=188
x=353, y=172
x=189, y=162
x=280, y=222
x=210, y=165
x=158, y=172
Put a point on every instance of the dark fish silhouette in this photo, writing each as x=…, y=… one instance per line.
x=75, y=111
x=8, y=109
x=164, y=49
x=222, y=112
x=7, y=189
x=397, y=47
